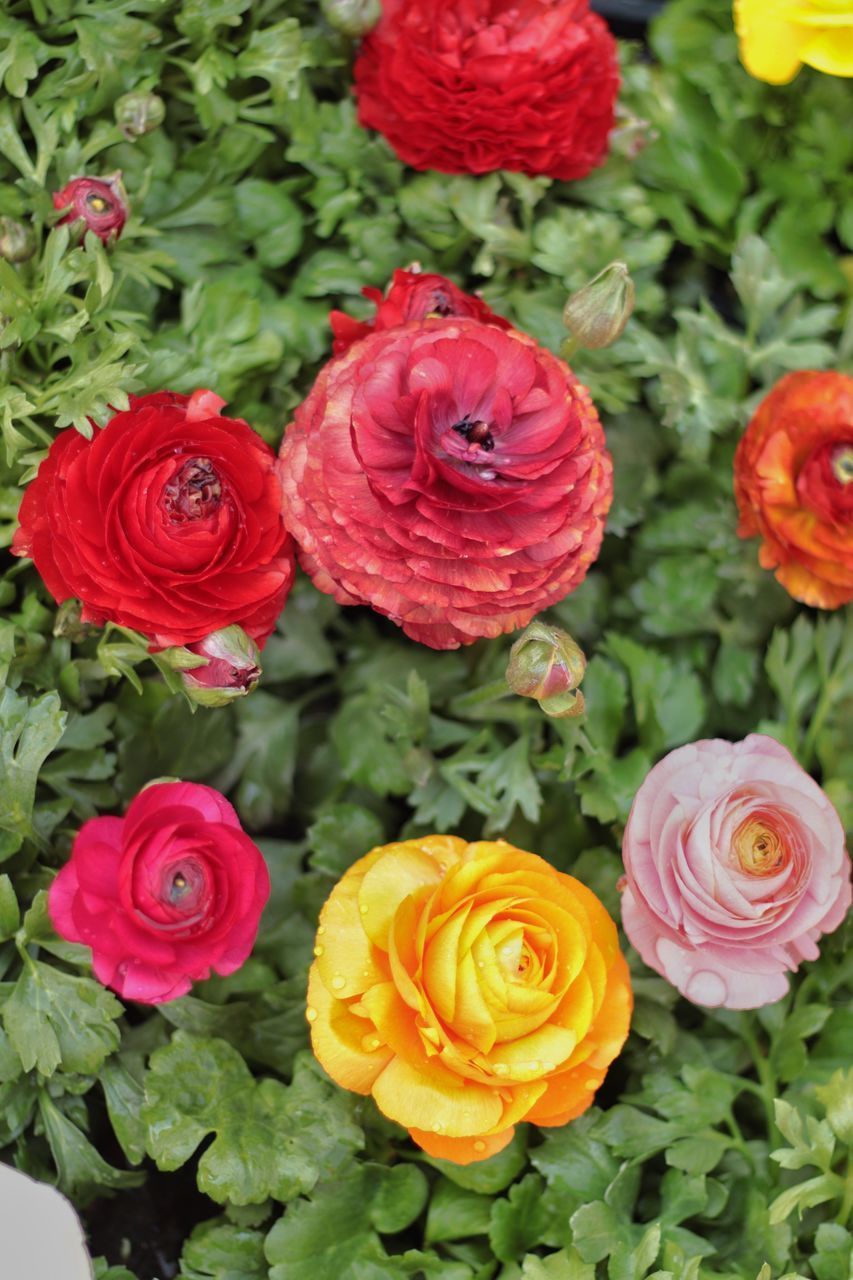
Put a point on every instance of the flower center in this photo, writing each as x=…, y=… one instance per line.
x=97, y=203
x=475, y=433
x=194, y=492
x=842, y=463
x=759, y=849
x=179, y=888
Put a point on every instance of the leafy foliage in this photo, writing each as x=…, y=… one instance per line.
x=720, y=1142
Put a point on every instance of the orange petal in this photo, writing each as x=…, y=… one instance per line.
x=567, y=1096
x=461, y=1150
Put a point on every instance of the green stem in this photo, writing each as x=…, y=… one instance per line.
x=846, y=1210
x=766, y=1077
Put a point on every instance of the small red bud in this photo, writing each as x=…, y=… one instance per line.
x=100, y=203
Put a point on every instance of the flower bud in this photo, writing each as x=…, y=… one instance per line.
x=233, y=668
x=17, y=242
x=100, y=203
x=352, y=17
x=139, y=113
x=597, y=314
x=69, y=623
x=545, y=663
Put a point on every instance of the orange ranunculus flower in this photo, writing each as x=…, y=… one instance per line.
x=467, y=987
x=794, y=486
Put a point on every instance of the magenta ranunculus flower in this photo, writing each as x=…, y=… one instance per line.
x=163, y=895
x=735, y=865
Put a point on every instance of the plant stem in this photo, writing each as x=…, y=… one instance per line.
x=766, y=1078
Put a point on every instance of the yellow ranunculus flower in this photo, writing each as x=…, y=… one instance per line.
x=778, y=36
x=467, y=987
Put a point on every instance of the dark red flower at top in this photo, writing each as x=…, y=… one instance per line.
x=100, y=203
x=168, y=520
x=470, y=86
x=411, y=295
x=450, y=474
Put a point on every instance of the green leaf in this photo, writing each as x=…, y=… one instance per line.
x=54, y=1019
x=82, y=1170
x=270, y=1139
x=220, y=1250
x=341, y=834
x=29, y=731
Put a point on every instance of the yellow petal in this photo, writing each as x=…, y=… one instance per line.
x=472, y=1019
x=339, y=1039
x=831, y=52
x=533, y=1056
x=401, y=871
x=347, y=962
x=769, y=43
x=435, y=1100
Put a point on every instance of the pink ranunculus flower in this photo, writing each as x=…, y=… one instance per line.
x=735, y=865
x=163, y=895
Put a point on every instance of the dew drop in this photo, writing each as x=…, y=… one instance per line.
x=438, y=1128
x=375, y=1044
x=592, y=1085
x=501, y=1069
x=311, y=1014
x=363, y=908
x=321, y=930
x=339, y=982
x=318, y=951
x=479, y=1145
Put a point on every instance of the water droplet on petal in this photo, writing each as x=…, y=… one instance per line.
x=438, y=1128
x=363, y=908
x=501, y=1069
x=321, y=930
x=479, y=1145
x=339, y=982
x=318, y=951
x=311, y=1014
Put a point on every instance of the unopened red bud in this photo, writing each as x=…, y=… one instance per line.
x=98, y=203
x=597, y=314
x=232, y=671
x=545, y=663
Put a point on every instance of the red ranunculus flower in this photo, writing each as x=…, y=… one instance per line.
x=163, y=895
x=100, y=203
x=412, y=295
x=794, y=486
x=168, y=521
x=451, y=475
x=469, y=86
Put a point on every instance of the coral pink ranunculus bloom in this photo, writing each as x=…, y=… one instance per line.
x=411, y=295
x=451, y=475
x=163, y=895
x=735, y=865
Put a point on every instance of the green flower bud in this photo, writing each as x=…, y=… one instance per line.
x=545, y=663
x=17, y=242
x=597, y=314
x=139, y=113
x=69, y=622
x=352, y=17
x=232, y=669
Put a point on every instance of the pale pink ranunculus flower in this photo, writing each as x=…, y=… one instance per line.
x=735, y=865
